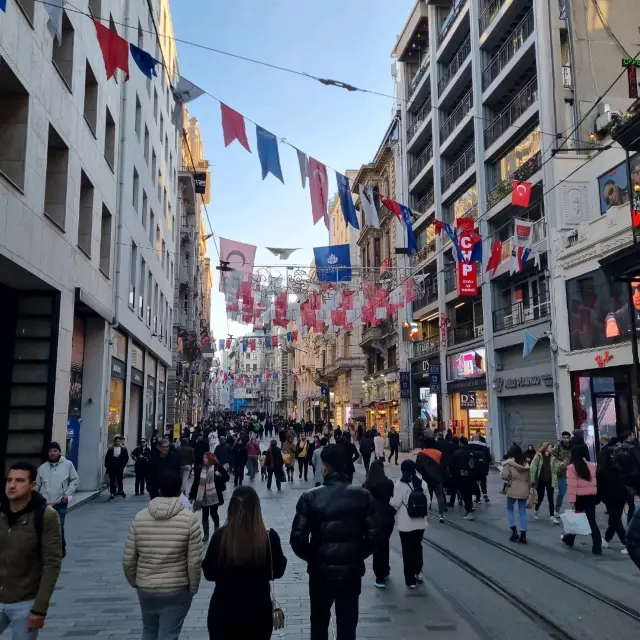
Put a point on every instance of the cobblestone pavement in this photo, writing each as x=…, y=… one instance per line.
x=93, y=600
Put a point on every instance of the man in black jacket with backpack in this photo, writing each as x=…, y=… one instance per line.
x=463, y=470
x=335, y=529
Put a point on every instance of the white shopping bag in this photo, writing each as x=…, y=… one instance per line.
x=575, y=523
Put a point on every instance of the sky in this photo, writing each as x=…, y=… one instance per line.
x=346, y=40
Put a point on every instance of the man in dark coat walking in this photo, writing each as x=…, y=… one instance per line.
x=161, y=461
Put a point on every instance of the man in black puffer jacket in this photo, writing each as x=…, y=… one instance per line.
x=335, y=528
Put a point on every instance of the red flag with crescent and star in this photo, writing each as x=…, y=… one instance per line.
x=240, y=257
x=521, y=194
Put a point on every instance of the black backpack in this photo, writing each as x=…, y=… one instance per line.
x=624, y=459
x=417, y=504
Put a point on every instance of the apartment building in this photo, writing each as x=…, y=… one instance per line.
x=488, y=88
x=192, y=351
x=248, y=368
x=85, y=275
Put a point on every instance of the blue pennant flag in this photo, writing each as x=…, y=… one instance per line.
x=221, y=344
x=3, y=5
x=267, y=341
x=454, y=239
x=145, y=61
x=268, y=153
x=244, y=346
x=530, y=342
x=476, y=252
x=333, y=264
x=346, y=201
x=412, y=247
x=288, y=336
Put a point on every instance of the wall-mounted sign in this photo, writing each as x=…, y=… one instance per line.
x=522, y=382
x=468, y=400
x=435, y=383
x=405, y=384
x=604, y=359
x=200, y=180
x=443, y=330
x=118, y=368
x=467, y=279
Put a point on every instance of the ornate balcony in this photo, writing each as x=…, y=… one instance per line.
x=517, y=314
x=426, y=347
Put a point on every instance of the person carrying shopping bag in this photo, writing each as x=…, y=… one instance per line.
x=516, y=476
x=582, y=491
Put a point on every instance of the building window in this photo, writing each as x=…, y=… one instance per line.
x=133, y=275
x=391, y=357
x=14, y=120
x=155, y=104
x=152, y=222
x=598, y=310
x=149, y=297
x=28, y=8
x=145, y=209
x=62, y=54
x=161, y=124
x=140, y=36
x=55, y=193
x=95, y=7
x=85, y=214
x=154, y=167
x=157, y=247
x=138, y=124
x=171, y=271
x=155, y=307
x=143, y=269
x=135, y=196
x=110, y=139
x=90, y=98
x=146, y=144
x=521, y=153
x=166, y=151
x=105, y=242
x=379, y=362
x=164, y=251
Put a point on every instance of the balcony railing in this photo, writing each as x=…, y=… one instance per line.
x=426, y=347
x=423, y=254
x=511, y=113
x=458, y=59
x=449, y=20
x=567, y=78
x=429, y=296
x=462, y=164
x=505, y=187
x=419, y=74
x=465, y=332
x=419, y=117
x=421, y=162
x=519, y=313
x=489, y=14
x=450, y=279
x=425, y=203
x=508, y=50
x=457, y=115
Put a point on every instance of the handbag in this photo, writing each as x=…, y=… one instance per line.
x=575, y=523
x=277, y=614
x=506, y=485
x=533, y=498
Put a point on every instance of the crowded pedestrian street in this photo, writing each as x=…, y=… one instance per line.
x=93, y=600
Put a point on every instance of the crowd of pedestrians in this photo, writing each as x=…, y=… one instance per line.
x=337, y=524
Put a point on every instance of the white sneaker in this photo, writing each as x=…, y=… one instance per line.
x=624, y=552
x=555, y=520
x=535, y=515
x=420, y=577
x=605, y=544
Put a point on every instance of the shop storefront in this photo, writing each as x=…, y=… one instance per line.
x=117, y=385
x=74, y=421
x=150, y=425
x=426, y=388
x=525, y=398
x=160, y=426
x=136, y=394
x=467, y=389
x=382, y=394
x=384, y=415
x=602, y=404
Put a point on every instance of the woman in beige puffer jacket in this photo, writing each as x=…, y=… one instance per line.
x=162, y=559
x=516, y=475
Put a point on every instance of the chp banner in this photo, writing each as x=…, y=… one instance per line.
x=467, y=279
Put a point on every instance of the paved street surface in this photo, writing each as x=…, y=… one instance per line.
x=93, y=600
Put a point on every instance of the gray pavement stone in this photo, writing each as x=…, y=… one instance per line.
x=93, y=600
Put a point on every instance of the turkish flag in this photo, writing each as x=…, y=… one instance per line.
x=521, y=194
x=495, y=257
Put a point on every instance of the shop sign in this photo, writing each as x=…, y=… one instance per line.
x=151, y=383
x=604, y=359
x=435, y=384
x=467, y=279
x=118, y=368
x=467, y=384
x=443, y=330
x=468, y=400
x=137, y=377
x=200, y=180
x=405, y=384
x=522, y=381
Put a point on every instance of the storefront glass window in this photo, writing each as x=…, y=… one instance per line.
x=598, y=310
x=522, y=152
x=116, y=409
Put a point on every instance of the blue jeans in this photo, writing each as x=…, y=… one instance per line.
x=61, y=508
x=15, y=616
x=163, y=613
x=522, y=512
x=562, y=492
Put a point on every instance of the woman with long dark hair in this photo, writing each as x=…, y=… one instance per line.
x=242, y=558
x=516, y=476
x=381, y=488
x=582, y=490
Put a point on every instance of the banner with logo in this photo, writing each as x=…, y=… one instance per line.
x=467, y=279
